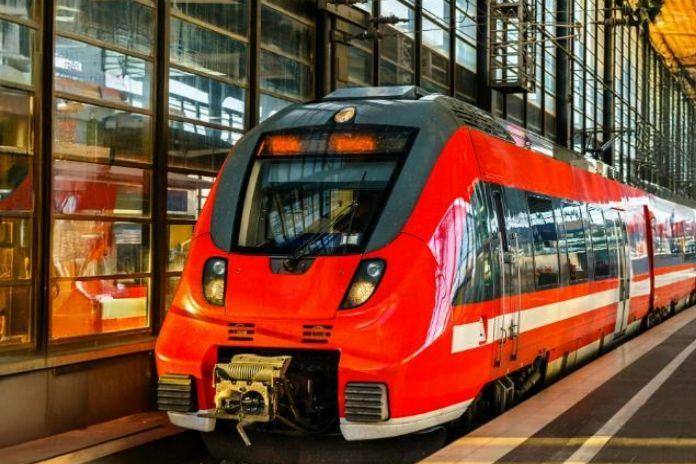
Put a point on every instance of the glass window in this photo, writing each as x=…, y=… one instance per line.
x=575, y=239
x=439, y=9
x=100, y=189
x=16, y=121
x=600, y=250
x=435, y=37
x=16, y=186
x=87, y=248
x=196, y=146
x=360, y=66
x=172, y=285
x=179, y=243
x=15, y=250
x=91, y=71
x=316, y=205
x=124, y=23
x=89, y=307
x=396, y=60
x=208, y=51
x=284, y=35
x=16, y=60
x=205, y=99
x=15, y=314
x=22, y=9
x=186, y=194
x=97, y=133
x=302, y=8
x=545, y=236
x=232, y=16
x=285, y=76
x=401, y=11
x=271, y=105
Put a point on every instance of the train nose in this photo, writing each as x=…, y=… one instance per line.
x=256, y=290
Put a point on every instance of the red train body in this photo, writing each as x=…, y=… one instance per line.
x=470, y=268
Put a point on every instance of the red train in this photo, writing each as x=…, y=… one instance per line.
x=384, y=261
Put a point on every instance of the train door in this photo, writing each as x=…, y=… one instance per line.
x=623, y=271
x=506, y=324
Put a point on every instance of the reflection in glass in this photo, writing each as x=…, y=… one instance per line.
x=301, y=8
x=271, y=105
x=100, y=73
x=285, y=76
x=199, y=147
x=230, y=15
x=360, y=66
x=172, y=284
x=179, y=244
x=397, y=60
x=83, y=248
x=439, y=9
x=96, y=133
x=18, y=8
x=16, y=45
x=575, y=236
x=16, y=183
x=205, y=99
x=545, y=236
x=106, y=190
x=16, y=128
x=284, y=35
x=15, y=249
x=124, y=23
x=186, y=194
x=15, y=315
x=89, y=307
x=435, y=37
x=401, y=11
x=208, y=51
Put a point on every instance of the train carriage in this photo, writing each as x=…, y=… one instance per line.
x=384, y=261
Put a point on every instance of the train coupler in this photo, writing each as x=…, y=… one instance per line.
x=248, y=388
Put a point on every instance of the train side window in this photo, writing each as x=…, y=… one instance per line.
x=600, y=251
x=612, y=222
x=576, y=242
x=500, y=216
x=545, y=236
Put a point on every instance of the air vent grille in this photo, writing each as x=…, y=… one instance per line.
x=239, y=331
x=316, y=333
x=471, y=116
x=176, y=392
x=367, y=402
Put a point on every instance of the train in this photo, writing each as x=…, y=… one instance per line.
x=384, y=261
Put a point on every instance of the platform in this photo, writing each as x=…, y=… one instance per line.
x=93, y=443
x=635, y=404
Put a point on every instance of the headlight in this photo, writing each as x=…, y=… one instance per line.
x=364, y=283
x=215, y=280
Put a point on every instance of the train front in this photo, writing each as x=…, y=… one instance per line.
x=306, y=304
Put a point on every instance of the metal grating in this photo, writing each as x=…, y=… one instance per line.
x=176, y=392
x=240, y=331
x=471, y=116
x=367, y=402
x=316, y=333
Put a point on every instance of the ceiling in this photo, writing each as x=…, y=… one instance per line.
x=673, y=34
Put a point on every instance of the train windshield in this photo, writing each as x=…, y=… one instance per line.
x=314, y=205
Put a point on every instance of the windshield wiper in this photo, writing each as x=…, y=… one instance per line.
x=293, y=260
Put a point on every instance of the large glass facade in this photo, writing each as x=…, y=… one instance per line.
x=20, y=34
x=114, y=125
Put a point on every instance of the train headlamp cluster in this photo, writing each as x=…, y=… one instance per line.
x=364, y=284
x=215, y=281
